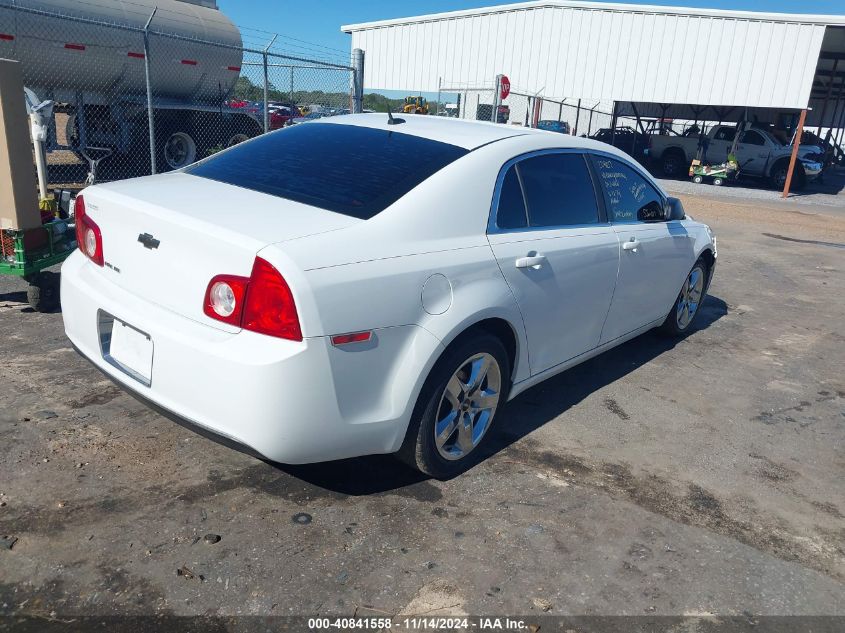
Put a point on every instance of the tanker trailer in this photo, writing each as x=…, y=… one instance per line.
x=95, y=73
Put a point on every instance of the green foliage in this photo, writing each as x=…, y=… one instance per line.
x=380, y=103
x=246, y=90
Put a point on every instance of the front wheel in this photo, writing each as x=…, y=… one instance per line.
x=688, y=304
x=457, y=406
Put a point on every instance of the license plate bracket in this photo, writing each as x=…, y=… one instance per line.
x=126, y=347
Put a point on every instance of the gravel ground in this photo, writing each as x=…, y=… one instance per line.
x=700, y=476
x=830, y=193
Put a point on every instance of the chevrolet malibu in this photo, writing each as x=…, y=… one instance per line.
x=362, y=285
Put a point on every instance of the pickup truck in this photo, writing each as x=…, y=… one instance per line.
x=758, y=154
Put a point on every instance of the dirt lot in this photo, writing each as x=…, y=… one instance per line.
x=693, y=477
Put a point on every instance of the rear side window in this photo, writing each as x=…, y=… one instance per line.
x=558, y=190
x=725, y=134
x=348, y=169
x=629, y=197
x=511, y=213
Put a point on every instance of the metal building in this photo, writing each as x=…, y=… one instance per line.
x=646, y=55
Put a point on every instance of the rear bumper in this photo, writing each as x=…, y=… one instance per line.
x=292, y=402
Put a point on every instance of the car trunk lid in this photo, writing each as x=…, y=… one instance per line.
x=165, y=237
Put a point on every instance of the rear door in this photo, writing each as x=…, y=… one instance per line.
x=557, y=252
x=655, y=255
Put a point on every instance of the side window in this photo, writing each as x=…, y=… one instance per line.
x=753, y=138
x=559, y=190
x=725, y=134
x=629, y=196
x=511, y=212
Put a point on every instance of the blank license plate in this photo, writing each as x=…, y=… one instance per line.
x=133, y=350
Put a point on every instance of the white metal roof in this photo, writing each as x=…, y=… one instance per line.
x=606, y=6
x=590, y=50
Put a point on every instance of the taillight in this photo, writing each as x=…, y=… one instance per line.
x=88, y=235
x=260, y=303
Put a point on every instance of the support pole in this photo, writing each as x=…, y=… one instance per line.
x=496, y=96
x=795, y=145
x=292, y=104
x=613, y=122
x=577, y=117
x=439, y=88
x=267, y=86
x=590, y=121
x=357, y=81
x=150, y=114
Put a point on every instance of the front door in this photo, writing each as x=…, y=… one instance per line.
x=655, y=255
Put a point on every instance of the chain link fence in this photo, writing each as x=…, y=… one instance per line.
x=153, y=93
x=578, y=117
x=521, y=107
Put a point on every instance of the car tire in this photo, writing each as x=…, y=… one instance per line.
x=177, y=147
x=698, y=180
x=687, y=306
x=446, y=403
x=777, y=176
x=42, y=294
x=672, y=163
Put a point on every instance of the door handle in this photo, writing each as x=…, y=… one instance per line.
x=632, y=245
x=531, y=261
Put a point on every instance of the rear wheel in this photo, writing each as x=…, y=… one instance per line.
x=672, y=163
x=718, y=182
x=43, y=292
x=689, y=301
x=457, y=406
x=177, y=148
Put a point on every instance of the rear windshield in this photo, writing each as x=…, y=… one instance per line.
x=348, y=169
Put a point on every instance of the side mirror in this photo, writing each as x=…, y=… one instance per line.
x=674, y=209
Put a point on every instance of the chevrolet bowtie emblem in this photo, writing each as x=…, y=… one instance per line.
x=148, y=241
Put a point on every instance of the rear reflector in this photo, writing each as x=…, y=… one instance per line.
x=6, y=37
x=236, y=69
x=354, y=337
x=75, y=47
x=224, y=298
x=189, y=62
x=136, y=55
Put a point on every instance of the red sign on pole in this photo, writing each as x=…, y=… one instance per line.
x=505, y=87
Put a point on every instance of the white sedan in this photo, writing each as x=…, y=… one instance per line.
x=353, y=286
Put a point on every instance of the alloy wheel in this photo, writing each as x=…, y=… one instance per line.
x=690, y=298
x=467, y=406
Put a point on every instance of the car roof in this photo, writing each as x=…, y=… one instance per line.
x=470, y=134
x=466, y=134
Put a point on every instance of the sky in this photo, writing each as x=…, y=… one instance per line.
x=312, y=28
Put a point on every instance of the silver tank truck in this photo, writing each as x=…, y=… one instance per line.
x=95, y=75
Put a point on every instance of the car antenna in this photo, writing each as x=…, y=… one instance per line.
x=391, y=120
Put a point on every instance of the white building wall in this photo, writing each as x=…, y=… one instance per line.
x=601, y=52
